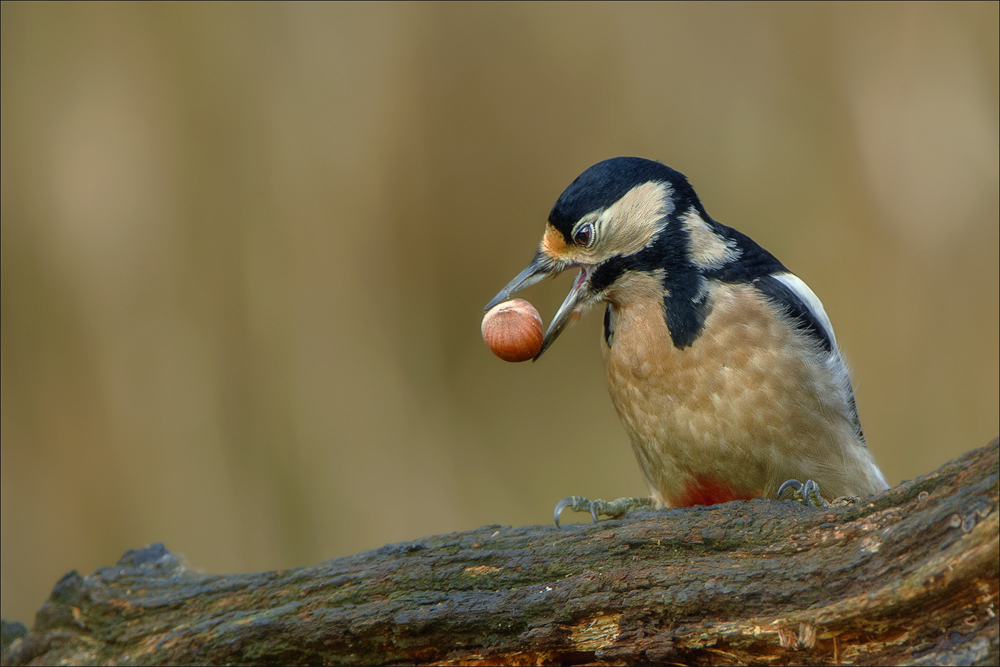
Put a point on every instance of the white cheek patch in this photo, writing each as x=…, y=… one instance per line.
x=635, y=220
x=810, y=300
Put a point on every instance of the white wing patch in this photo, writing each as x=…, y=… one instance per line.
x=811, y=301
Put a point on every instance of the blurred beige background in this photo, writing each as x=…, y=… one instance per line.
x=245, y=250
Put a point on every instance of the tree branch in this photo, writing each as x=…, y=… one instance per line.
x=909, y=577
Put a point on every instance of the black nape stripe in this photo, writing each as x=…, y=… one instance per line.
x=805, y=320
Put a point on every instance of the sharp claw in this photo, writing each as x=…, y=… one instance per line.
x=593, y=511
x=791, y=484
x=568, y=501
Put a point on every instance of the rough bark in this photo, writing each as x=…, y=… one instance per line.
x=908, y=577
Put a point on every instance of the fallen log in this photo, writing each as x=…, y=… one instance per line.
x=907, y=577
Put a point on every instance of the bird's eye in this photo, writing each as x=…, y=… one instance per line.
x=584, y=236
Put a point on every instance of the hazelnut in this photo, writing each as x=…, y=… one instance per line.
x=513, y=330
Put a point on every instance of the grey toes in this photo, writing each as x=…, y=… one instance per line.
x=807, y=493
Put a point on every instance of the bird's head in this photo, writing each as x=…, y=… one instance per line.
x=625, y=223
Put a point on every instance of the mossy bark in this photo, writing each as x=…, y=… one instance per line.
x=907, y=577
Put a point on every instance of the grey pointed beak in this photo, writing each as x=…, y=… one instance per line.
x=542, y=266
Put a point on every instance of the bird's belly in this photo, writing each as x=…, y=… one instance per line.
x=731, y=416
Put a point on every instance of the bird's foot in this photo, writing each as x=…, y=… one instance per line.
x=614, y=509
x=807, y=494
